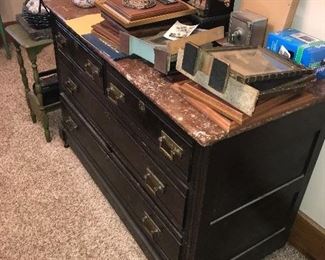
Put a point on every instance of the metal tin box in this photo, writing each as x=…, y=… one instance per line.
x=247, y=28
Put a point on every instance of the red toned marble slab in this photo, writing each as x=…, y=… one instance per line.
x=157, y=88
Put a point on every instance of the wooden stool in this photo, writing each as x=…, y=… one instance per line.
x=4, y=39
x=35, y=101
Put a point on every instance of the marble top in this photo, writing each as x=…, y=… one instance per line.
x=156, y=87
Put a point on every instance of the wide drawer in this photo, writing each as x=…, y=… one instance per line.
x=166, y=143
x=147, y=219
x=169, y=197
x=90, y=67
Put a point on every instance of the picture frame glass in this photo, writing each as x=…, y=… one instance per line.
x=254, y=62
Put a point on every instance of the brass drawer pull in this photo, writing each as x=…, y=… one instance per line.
x=71, y=86
x=61, y=40
x=153, y=183
x=114, y=94
x=169, y=147
x=142, y=106
x=70, y=124
x=91, y=70
x=150, y=226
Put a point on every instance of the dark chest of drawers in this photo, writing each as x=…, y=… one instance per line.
x=234, y=199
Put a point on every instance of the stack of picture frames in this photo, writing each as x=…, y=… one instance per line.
x=242, y=76
x=230, y=119
x=130, y=18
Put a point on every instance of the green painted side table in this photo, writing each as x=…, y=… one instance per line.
x=34, y=98
x=4, y=39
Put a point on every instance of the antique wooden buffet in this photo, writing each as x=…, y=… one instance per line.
x=183, y=187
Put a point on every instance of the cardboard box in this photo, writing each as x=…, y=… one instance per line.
x=299, y=47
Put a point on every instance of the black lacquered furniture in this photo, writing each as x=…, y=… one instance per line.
x=182, y=197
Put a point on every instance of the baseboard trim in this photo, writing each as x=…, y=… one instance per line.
x=308, y=237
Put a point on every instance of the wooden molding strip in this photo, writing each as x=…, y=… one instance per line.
x=308, y=237
x=213, y=103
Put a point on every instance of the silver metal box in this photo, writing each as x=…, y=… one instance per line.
x=247, y=28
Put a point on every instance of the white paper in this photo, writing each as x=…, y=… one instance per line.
x=284, y=52
x=179, y=30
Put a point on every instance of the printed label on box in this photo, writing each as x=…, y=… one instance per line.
x=304, y=37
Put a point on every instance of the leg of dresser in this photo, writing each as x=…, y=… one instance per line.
x=46, y=126
x=64, y=137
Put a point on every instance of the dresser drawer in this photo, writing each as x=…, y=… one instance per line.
x=169, y=197
x=90, y=67
x=166, y=143
x=118, y=179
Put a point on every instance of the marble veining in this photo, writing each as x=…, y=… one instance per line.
x=157, y=88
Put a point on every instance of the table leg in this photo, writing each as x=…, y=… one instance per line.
x=24, y=78
x=32, y=54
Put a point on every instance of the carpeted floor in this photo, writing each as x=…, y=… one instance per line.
x=49, y=206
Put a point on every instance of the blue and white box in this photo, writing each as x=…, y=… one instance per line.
x=299, y=47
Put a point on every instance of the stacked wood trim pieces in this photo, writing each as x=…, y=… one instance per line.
x=289, y=103
x=125, y=22
x=229, y=118
x=108, y=35
x=216, y=110
x=240, y=95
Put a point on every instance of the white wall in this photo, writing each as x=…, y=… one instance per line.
x=9, y=9
x=310, y=18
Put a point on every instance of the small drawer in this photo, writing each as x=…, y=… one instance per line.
x=169, y=197
x=83, y=132
x=167, y=144
x=90, y=66
x=148, y=220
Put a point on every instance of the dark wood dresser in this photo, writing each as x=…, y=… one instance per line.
x=183, y=187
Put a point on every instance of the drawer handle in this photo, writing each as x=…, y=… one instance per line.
x=91, y=70
x=142, y=106
x=71, y=86
x=61, y=40
x=70, y=124
x=150, y=226
x=153, y=183
x=169, y=147
x=114, y=94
